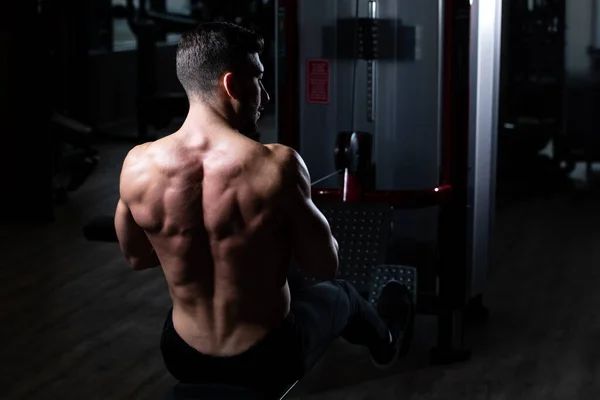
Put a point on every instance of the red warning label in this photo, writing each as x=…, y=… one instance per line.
x=317, y=81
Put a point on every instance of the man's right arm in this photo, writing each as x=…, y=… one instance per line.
x=314, y=247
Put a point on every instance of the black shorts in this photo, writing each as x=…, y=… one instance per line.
x=319, y=314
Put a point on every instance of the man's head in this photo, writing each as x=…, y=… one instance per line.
x=218, y=64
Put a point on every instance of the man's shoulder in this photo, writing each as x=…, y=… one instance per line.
x=292, y=167
x=287, y=156
x=278, y=149
x=137, y=154
x=144, y=156
x=135, y=170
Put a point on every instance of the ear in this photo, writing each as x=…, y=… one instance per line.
x=229, y=85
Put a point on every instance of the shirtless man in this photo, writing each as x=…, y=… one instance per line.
x=223, y=215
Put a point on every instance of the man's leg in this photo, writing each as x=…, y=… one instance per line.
x=328, y=310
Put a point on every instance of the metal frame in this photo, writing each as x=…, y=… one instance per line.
x=466, y=189
x=449, y=301
x=486, y=24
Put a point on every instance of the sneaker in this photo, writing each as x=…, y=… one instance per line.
x=396, y=309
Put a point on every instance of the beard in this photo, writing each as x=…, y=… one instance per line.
x=248, y=117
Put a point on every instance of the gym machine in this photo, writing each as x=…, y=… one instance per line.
x=417, y=82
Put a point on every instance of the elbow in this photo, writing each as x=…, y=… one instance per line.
x=331, y=276
x=139, y=261
x=324, y=269
x=140, y=264
x=136, y=264
x=336, y=259
x=138, y=267
x=334, y=265
x=330, y=271
x=335, y=270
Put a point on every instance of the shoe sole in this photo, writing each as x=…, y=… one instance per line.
x=402, y=345
x=407, y=338
x=391, y=363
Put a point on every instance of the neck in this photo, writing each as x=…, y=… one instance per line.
x=204, y=118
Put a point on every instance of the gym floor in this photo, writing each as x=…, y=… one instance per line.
x=77, y=323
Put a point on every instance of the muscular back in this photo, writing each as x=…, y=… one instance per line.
x=212, y=210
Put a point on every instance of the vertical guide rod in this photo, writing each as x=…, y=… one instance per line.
x=371, y=72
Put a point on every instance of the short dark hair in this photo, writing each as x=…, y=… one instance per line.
x=210, y=50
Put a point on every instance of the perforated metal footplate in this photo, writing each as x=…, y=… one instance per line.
x=382, y=274
x=362, y=231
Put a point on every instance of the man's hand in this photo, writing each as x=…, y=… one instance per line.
x=133, y=241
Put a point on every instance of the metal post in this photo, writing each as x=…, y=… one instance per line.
x=452, y=237
x=486, y=23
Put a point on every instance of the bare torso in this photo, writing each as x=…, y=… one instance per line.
x=212, y=210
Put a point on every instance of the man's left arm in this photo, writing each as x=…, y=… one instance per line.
x=133, y=241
